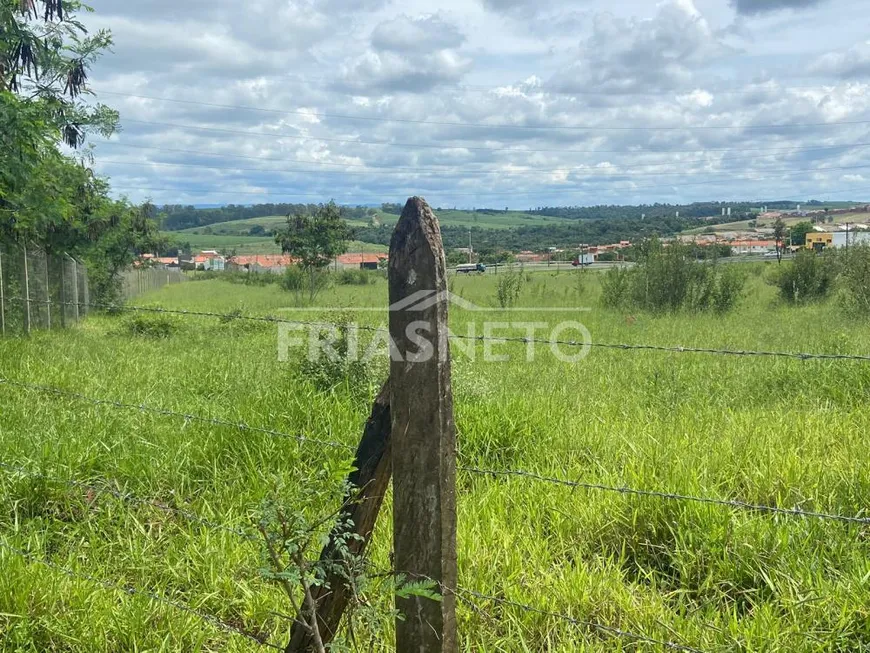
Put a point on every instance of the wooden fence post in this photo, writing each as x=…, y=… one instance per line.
x=368, y=484
x=423, y=432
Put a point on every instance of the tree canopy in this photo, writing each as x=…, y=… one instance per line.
x=50, y=198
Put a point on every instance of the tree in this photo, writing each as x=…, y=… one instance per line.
x=798, y=233
x=315, y=240
x=47, y=198
x=779, y=231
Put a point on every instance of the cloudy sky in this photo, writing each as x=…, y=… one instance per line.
x=496, y=103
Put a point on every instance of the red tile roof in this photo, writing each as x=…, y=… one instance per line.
x=351, y=259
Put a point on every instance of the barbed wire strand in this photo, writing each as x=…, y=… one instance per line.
x=611, y=630
x=679, y=349
x=107, y=585
x=731, y=503
x=242, y=426
x=128, y=498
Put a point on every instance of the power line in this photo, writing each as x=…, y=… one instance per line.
x=107, y=585
x=188, y=417
x=620, y=128
x=730, y=503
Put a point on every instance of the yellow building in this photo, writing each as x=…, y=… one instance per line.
x=818, y=240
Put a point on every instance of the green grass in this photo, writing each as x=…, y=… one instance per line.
x=251, y=244
x=762, y=430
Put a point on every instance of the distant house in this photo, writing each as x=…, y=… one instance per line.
x=741, y=247
x=361, y=261
x=272, y=263
x=209, y=260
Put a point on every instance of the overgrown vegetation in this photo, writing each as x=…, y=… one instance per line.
x=509, y=285
x=670, y=278
x=808, y=277
x=772, y=431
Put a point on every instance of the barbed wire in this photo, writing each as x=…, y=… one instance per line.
x=108, y=585
x=610, y=630
x=129, y=498
x=731, y=503
x=189, y=417
x=678, y=349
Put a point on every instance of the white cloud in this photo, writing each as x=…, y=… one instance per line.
x=847, y=64
x=637, y=106
x=630, y=55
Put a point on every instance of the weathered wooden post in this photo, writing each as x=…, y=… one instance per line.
x=423, y=433
x=76, y=287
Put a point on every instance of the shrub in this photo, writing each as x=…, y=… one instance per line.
x=616, y=287
x=150, y=326
x=670, y=279
x=809, y=277
x=855, y=278
x=508, y=288
x=338, y=364
x=354, y=278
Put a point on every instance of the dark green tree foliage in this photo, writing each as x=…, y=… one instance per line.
x=48, y=199
x=315, y=239
x=798, y=233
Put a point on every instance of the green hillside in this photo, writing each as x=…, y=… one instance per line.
x=248, y=244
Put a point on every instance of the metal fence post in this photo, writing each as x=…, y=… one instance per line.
x=2, y=297
x=47, y=290
x=76, y=287
x=424, y=435
x=26, y=292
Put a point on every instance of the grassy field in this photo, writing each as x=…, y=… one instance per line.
x=772, y=431
x=251, y=244
x=447, y=217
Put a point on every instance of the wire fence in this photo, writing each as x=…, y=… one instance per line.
x=140, y=280
x=469, y=597
x=54, y=289
x=591, y=344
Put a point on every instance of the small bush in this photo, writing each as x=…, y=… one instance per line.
x=809, y=277
x=337, y=363
x=616, y=287
x=509, y=286
x=150, y=326
x=354, y=278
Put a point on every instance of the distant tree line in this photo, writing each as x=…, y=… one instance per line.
x=539, y=237
x=739, y=211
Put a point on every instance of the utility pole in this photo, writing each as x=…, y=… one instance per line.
x=470, y=250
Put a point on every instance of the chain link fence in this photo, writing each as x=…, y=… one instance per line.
x=40, y=290
x=50, y=291
x=138, y=281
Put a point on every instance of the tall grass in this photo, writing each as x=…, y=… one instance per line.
x=779, y=432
